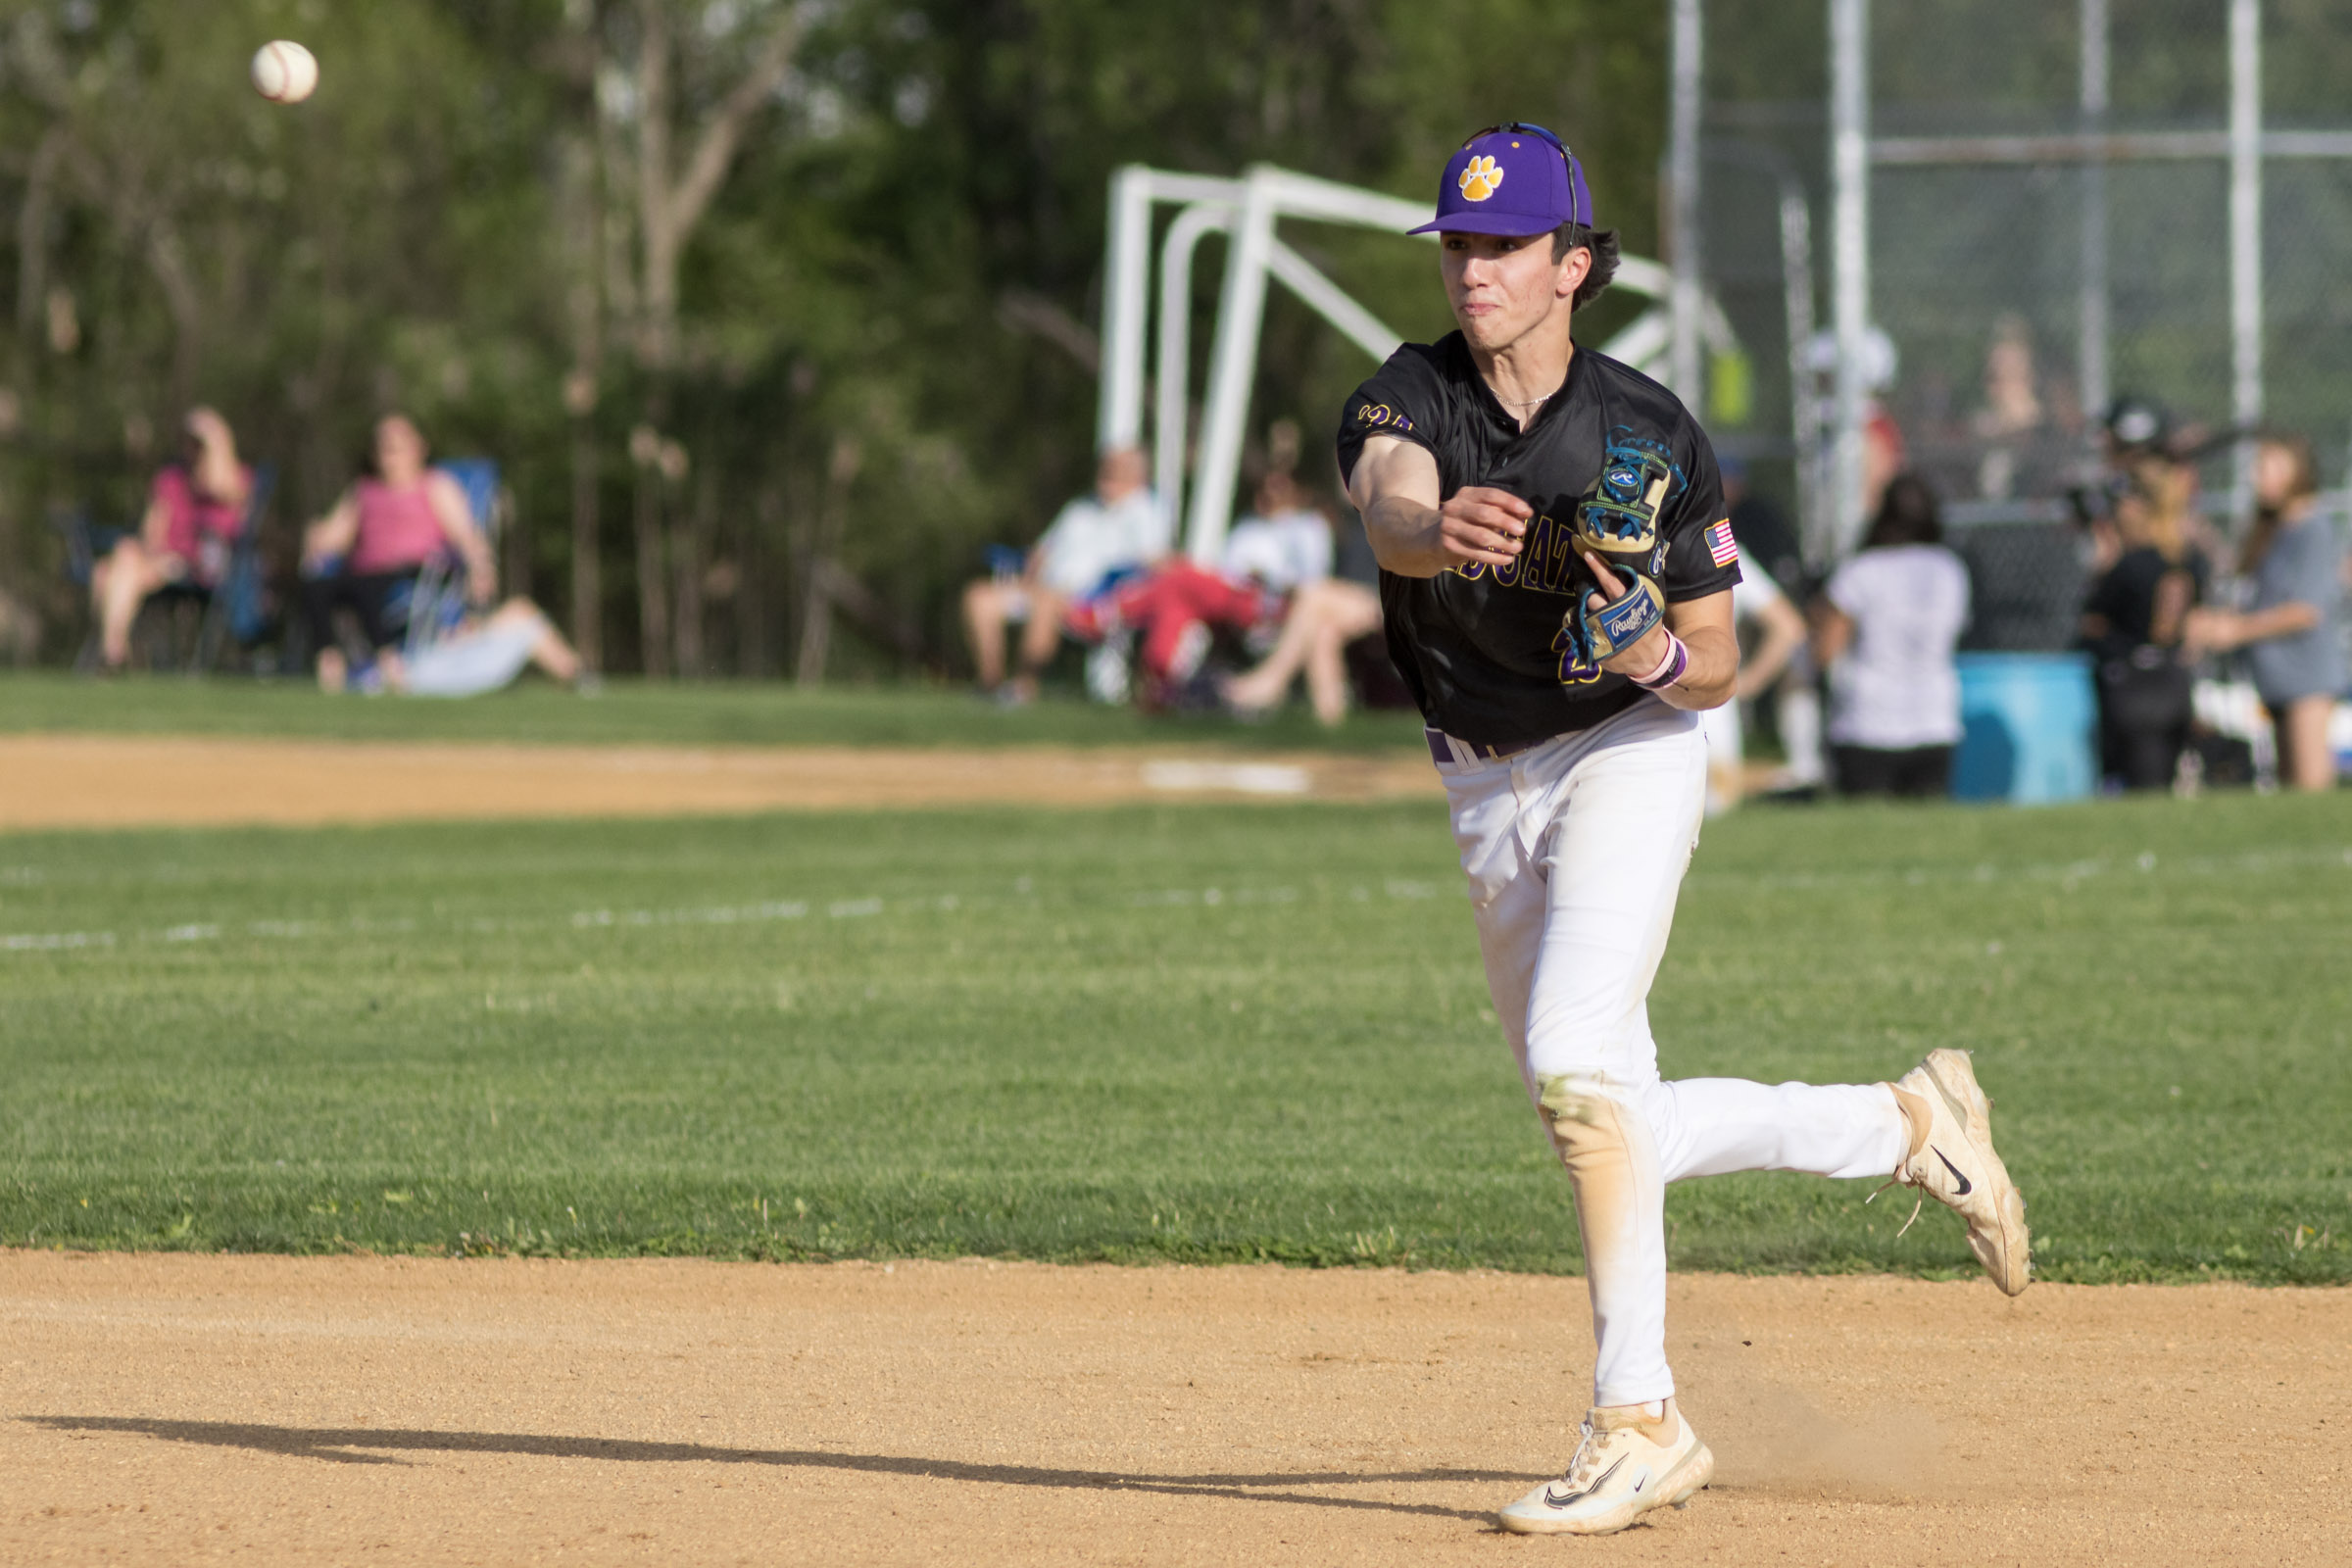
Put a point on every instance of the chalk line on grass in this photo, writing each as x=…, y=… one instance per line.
x=2068, y=874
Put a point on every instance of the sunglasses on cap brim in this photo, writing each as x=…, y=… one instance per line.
x=1524, y=128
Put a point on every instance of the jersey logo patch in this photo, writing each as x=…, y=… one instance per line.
x=1722, y=548
x=1481, y=179
x=1380, y=417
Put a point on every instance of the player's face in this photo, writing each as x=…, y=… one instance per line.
x=1503, y=286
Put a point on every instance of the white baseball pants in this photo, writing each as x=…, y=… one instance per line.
x=1575, y=851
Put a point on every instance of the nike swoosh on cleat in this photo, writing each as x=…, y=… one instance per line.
x=1574, y=1498
x=1966, y=1185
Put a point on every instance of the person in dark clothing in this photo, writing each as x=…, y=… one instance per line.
x=1764, y=532
x=2133, y=624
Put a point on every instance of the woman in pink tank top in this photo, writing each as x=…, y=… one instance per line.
x=397, y=528
x=382, y=532
x=195, y=511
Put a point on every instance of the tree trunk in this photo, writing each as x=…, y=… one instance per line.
x=652, y=579
x=692, y=562
x=816, y=598
x=755, y=600
x=32, y=232
x=587, y=564
x=514, y=544
x=580, y=225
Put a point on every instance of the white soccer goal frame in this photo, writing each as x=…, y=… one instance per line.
x=1247, y=209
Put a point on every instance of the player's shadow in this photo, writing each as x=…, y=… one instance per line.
x=378, y=1445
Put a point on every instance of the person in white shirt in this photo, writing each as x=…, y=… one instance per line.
x=1885, y=633
x=1283, y=546
x=1177, y=608
x=1118, y=529
x=1779, y=631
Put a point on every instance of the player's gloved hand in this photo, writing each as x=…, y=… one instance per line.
x=1618, y=519
x=1620, y=622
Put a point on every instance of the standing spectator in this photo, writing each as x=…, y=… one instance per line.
x=195, y=511
x=2133, y=621
x=384, y=531
x=1886, y=630
x=2010, y=426
x=2290, y=634
x=1118, y=529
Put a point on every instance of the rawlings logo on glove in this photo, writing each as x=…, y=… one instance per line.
x=1607, y=630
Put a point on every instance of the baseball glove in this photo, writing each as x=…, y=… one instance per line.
x=1605, y=630
x=1619, y=521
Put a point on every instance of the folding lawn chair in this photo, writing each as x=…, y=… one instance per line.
x=231, y=608
x=439, y=604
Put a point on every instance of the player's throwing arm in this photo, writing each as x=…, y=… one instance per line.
x=1555, y=581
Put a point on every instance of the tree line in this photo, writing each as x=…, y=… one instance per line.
x=773, y=312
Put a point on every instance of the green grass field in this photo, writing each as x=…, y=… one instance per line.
x=665, y=714
x=1196, y=1033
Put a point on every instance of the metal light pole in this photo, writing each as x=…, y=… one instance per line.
x=2091, y=356
x=1682, y=198
x=2245, y=234
x=1850, y=243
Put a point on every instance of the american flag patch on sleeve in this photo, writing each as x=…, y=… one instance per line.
x=1720, y=544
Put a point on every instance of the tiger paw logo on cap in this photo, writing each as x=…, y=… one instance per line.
x=1479, y=178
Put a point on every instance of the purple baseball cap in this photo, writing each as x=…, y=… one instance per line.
x=1513, y=180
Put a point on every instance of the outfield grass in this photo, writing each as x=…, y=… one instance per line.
x=637, y=711
x=1195, y=1033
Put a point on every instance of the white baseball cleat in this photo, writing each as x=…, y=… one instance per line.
x=1956, y=1166
x=1628, y=1463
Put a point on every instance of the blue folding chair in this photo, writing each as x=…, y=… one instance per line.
x=439, y=604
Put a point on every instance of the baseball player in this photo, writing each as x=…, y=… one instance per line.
x=1556, y=577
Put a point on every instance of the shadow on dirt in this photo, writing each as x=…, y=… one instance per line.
x=379, y=1446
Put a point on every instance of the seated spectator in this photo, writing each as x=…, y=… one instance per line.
x=1886, y=630
x=1119, y=529
x=1178, y=607
x=2290, y=633
x=1322, y=620
x=1759, y=607
x=195, y=512
x=2133, y=621
x=485, y=655
x=365, y=556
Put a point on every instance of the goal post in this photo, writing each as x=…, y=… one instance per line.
x=1247, y=209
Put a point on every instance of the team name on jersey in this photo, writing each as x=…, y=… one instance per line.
x=1637, y=480
x=1546, y=565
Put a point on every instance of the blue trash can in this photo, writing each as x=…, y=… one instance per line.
x=2029, y=726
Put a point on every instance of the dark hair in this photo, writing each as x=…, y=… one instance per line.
x=1907, y=515
x=2269, y=519
x=1602, y=243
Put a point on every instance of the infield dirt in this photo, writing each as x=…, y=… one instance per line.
x=178, y=1408
x=67, y=782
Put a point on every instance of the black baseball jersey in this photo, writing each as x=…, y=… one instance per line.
x=1481, y=646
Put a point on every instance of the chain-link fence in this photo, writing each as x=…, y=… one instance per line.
x=2056, y=201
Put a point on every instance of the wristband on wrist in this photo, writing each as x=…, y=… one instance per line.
x=1670, y=669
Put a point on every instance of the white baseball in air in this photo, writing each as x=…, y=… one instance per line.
x=284, y=72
